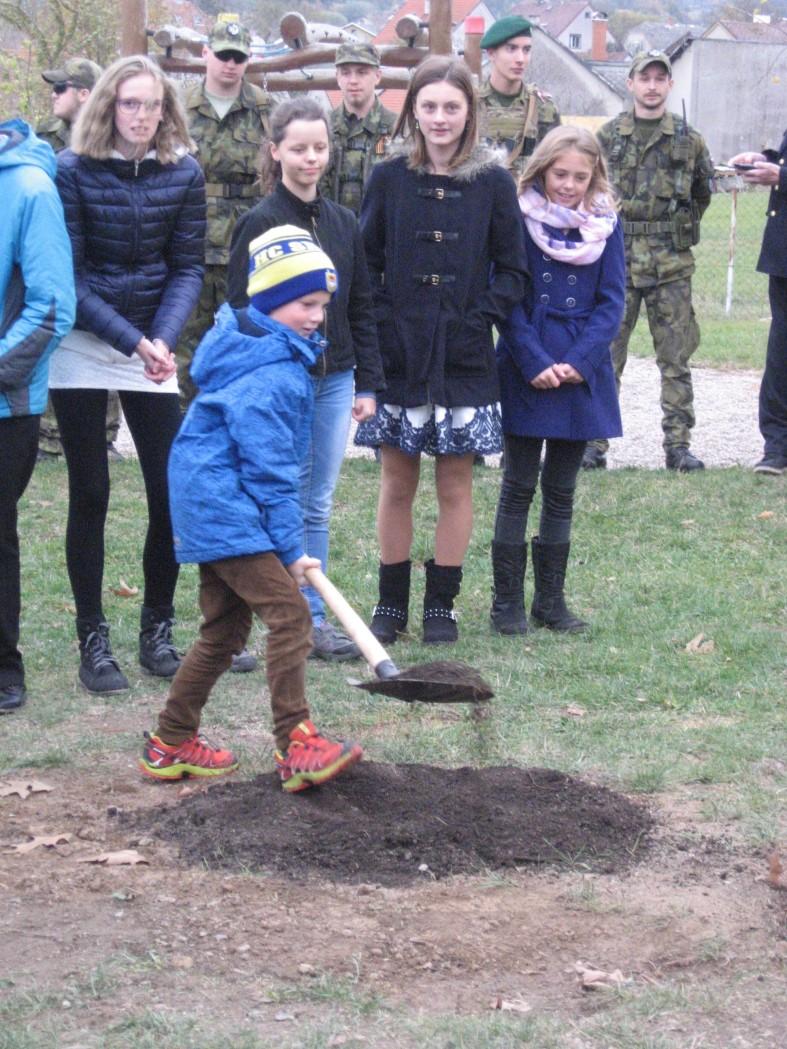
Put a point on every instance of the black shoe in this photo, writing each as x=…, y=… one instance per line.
x=389, y=618
x=593, y=458
x=331, y=644
x=771, y=464
x=442, y=586
x=681, y=459
x=507, y=614
x=549, y=604
x=243, y=663
x=98, y=670
x=12, y=697
x=43, y=456
x=157, y=653
x=113, y=454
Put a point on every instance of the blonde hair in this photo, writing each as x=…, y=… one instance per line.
x=433, y=71
x=94, y=131
x=560, y=140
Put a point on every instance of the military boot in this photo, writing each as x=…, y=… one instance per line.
x=679, y=458
x=442, y=586
x=508, y=573
x=549, y=605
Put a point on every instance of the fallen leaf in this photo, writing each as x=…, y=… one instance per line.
x=182, y=961
x=124, y=590
x=575, y=711
x=511, y=1005
x=282, y=1017
x=22, y=787
x=689, y=521
x=127, y=857
x=47, y=841
x=776, y=874
x=591, y=979
x=700, y=645
x=766, y=515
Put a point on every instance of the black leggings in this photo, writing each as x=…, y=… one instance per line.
x=562, y=461
x=153, y=419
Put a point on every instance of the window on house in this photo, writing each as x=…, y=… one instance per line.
x=574, y=41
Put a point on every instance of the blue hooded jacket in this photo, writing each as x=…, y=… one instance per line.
x=36, y=273
x=234, y=466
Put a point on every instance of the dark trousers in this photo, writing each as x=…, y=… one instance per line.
x=18, y=445
x=773, y=390
x=562, y=461
x=153, y=419
x=230, y=592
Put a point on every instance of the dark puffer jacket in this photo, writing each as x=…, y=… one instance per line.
x=137, y=231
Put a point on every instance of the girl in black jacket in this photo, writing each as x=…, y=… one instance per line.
x=134, y=203
x=349, y=374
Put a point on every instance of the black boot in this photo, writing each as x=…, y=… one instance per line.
x=508, y=573
x=389, y=618
x=98, y=668
x=442, y=586
x=549, y=606
x=157, y=654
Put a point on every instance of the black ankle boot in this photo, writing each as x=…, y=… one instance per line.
x=442, y=586
x=389, y=618
x=549, y=606
x=157, y=653
x=98, y=669
x=508, y=573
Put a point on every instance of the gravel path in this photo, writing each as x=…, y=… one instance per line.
x=725, y=403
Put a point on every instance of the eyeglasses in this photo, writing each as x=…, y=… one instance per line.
x=61, y=87
x=133, y=105
x=237, y=57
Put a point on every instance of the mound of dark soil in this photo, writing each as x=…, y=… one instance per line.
x=393, y=824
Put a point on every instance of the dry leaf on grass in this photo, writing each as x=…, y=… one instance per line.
x=511, y=1005
x=124, y=857
x=47, y=841
x=766, y=515
x=591, y=979
x=124, y=590
x=701, y=645
x=23, y=787
x=574, y=711
x=777, y=879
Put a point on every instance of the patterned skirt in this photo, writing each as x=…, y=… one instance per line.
x=435, y=430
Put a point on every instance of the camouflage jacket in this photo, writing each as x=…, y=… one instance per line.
x=54, y=131
x=518, y=127
x=357, y=146
x=229, y=152
x=664, y=187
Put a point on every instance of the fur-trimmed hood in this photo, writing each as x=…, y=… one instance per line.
x=482, y=157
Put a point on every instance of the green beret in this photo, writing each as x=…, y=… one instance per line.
x=504, y=29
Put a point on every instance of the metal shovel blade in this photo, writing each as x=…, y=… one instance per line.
x=439, y=682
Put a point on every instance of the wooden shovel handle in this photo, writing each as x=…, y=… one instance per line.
x=373, y=652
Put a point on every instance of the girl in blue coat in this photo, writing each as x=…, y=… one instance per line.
x=556, y=377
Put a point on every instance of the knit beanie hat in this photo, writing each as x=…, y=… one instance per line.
x=285, y=264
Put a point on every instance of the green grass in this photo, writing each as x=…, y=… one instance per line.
x=736, y=340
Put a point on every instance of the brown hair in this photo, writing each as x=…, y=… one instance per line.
x=304, y=108
x=94, y=129
x=561, y=140
x=432, y=71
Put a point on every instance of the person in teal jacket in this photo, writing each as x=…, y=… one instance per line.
x=37, y=303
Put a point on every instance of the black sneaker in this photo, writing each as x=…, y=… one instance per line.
x=157, y=653
x=243, y=663
x=771, y=464
x=12, y=697
x=98, y=670
x=681, y=459
x=593, y=458
x=331, y=644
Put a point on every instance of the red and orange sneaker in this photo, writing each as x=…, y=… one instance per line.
x=311, y=758
x=195, y=757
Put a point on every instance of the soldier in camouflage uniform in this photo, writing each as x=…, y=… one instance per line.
x=361, y=125
x=228, y=120
x=71, y=87
x=661, y=170
x=513, y=114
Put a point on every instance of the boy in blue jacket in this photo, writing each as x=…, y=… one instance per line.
x=233, y=484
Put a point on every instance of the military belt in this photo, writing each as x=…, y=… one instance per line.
x=643, y=229
x=439, y=193
x=436, y=235
x=229, y=189
x=434, y=278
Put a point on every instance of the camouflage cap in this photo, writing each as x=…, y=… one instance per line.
x=361, y=54
x=645, y=58
x=229, y=35
x=80, y=72
x=505, y=29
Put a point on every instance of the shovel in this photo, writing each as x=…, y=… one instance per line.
x=439, y=682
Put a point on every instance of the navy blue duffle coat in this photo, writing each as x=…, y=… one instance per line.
x=570, y=314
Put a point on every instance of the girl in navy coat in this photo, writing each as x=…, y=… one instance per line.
x=556, y=377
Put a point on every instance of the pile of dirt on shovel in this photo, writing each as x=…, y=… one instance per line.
x=395, y=824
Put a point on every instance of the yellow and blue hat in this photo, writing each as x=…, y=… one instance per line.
x=286, y=264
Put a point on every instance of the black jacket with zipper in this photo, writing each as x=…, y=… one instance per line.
x=350, y=327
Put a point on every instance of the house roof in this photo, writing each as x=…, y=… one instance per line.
x=553, y=18
x=753, y=32
x=460, y=10
x=661, y=36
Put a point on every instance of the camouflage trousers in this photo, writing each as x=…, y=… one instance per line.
x=676, y=335
x=213, y=295
x=49, y=435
